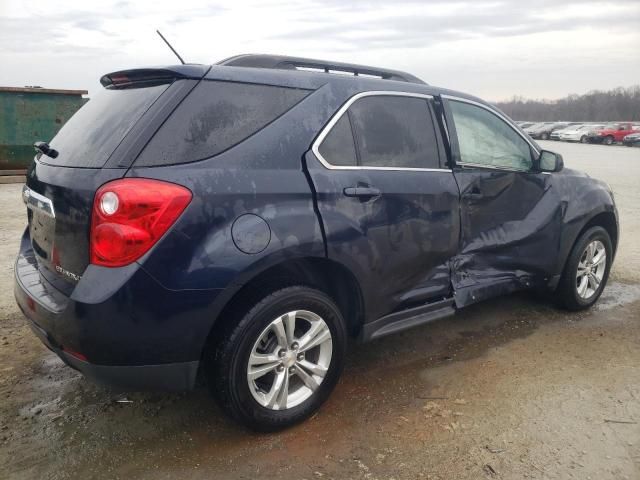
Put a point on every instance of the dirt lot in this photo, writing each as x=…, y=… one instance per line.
x=511, y=388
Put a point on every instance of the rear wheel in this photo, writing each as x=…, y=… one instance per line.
x=608, y=140
x=587, y=270
x=281, y=361
x=544, y=136
x=584, y=139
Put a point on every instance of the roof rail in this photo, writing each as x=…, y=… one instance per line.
x=282, y=62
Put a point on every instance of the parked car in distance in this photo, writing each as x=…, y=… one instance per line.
x=579, y=133
x=535, y=126
x=555, y=135
x=241, y=221
x=542, y=131
x=632, y=140
x=612, y=133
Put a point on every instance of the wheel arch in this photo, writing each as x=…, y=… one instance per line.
x=326, y=275
x=606, y=219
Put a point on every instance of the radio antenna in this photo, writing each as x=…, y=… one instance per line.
x=169, y=45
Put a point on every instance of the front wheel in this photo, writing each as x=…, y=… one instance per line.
x=544, y=136
x=608, y=140
x=584, y=139
x=281, y=360
x=587, y=270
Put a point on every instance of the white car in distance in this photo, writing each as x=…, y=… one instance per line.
x=579, y=133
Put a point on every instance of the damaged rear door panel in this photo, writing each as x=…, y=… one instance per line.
x=387, y=202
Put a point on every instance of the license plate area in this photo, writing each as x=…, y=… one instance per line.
x=42, y=222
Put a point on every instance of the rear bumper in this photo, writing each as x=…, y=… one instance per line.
x=169, y=376
x=130, y=331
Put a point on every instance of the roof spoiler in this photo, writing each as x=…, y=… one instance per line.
x=281, y=62
x=126, y=78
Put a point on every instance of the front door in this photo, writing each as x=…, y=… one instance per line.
x=388, y=204
x=510, y=215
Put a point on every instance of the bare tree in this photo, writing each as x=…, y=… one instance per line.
x=619, y=104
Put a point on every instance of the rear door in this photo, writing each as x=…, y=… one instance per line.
x=510, y=214
x=60, y=189
x=388, y=203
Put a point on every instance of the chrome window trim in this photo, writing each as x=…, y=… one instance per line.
x=35, y=201
x=315, y=147
x=503, y=118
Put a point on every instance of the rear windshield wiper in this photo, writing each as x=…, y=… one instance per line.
x=44, y=148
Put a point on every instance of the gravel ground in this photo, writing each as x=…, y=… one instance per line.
x=510, y=388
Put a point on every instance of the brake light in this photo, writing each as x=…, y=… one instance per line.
x=130, y=215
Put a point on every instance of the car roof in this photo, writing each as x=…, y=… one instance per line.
x=296, y=72
x=311, y=73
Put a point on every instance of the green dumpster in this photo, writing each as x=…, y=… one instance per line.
x=30, y=114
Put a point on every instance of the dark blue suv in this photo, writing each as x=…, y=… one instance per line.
x=240, y=222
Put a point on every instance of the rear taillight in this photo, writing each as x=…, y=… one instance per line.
x=130, y=215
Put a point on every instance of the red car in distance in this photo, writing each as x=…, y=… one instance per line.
x=612, y=133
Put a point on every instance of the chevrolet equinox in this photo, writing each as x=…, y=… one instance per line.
x=240, y=222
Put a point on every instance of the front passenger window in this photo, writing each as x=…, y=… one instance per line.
x=486, y=139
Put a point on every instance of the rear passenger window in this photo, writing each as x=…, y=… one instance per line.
x=338, y=147
x=215, y=117
x=390, y=131
x=394, y=131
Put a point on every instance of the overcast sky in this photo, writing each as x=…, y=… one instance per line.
x=490, y=48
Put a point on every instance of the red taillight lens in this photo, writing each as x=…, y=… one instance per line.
x=130, y=215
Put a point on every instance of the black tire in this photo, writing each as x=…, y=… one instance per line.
x=567, y=292
x=584, y=139
x=226, y=369
x=544, y=136
x=608, y=140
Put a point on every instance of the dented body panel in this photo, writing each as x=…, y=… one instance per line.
x=399, y=244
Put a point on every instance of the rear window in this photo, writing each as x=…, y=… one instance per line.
x=89, y=137
x=215, y=117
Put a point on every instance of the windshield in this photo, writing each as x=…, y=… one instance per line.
x=89, y=137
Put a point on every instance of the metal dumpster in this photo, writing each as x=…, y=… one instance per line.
x=30, y=114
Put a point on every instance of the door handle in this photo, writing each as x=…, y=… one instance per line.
x=362, y=192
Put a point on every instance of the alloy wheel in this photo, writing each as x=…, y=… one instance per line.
x=591, y=268
x=289, y=360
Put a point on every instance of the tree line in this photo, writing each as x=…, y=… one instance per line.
x=619, y=104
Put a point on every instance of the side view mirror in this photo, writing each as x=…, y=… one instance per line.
x=550, y=161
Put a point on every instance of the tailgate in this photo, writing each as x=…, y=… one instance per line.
x=88, y=151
